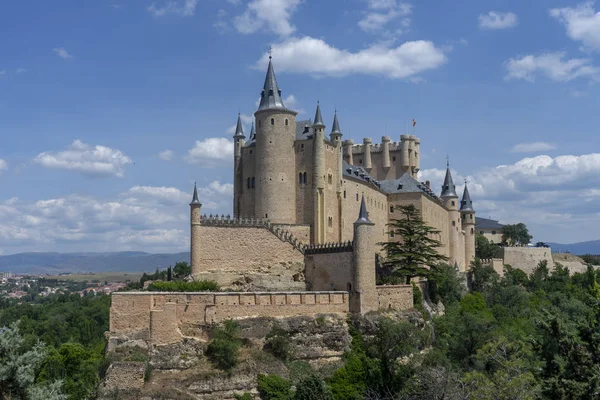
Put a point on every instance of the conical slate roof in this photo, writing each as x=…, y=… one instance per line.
x=466, y=204
x=252, y=132
x=239, y=129
x=363, y=216
x=195, y=197
x=335, y=128
x=270, y=97
x=318, y=117
x=448, y=188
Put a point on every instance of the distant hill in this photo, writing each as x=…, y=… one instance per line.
x=55, y=263
x=591, y=247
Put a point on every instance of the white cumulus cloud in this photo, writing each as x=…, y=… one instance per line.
x=62, y=53
x=533, y=147
x=315, y=56
x=552, y=65
x=381, y=12
x=497, y=20
x=273, y=15
x=211, y=152
x=3, y=165
x=95, y=161
x=186, y=8
x=582, y=23
x=166, y=155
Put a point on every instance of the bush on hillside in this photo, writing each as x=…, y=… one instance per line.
x=224, y=347
x=181, y=286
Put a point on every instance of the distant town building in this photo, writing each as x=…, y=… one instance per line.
x=491, y=229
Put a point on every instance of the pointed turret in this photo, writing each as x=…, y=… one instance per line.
x=195, y=196
x=466, y=204
x=335, y=128
x=252, y=132
x=270, y=97
x=318, y=117
x=448, y=188
x=239, y=129
x=363, y=215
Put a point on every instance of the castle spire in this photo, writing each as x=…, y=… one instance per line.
x=336, y=125
x=318, y=117
x=466, y=204
x=363, y=215
x=252, y=132
x=448, y=188
x=270, y=97
x=195, y=197
x=239, y=129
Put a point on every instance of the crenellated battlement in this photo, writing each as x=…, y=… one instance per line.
x=325, y=248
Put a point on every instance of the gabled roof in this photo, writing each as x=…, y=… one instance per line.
x=406, y=184
x=359, y=173
x=304, y=129
x=484, y=223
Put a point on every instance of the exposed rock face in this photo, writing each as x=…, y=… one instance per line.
x=182, y=370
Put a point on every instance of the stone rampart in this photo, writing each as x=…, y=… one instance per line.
x=329, y=267
x=527, y=258
x=396, y=297
x=167, y=317
x=496, y=263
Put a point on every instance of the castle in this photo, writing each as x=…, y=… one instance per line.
x=309, y=214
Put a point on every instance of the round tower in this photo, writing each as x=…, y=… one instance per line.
x=368, y=165
x=238, y=184
x=275, y=166
x=363, y=291
x=405, y=151
x=416, y=160
x=468, y=223
x=385, y=147
x=318, y=181
x=195, y=207
x=336, y=138
x=348, y=151
x=450, y=200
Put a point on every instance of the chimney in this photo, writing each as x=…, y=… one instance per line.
x=428, y=184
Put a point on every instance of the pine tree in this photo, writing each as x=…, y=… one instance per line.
x=412, y=248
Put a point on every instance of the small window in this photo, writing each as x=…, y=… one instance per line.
x=302, y=146
x=249, y=183
x=453, y=223
x=356, y=196
x=304, y=175
x=250, y=151
x=259, y=124
x=267, y=216
x=394, y=158
x=392, y=234
x=344, y=194
x=330, y=179
x=300, y=178
x=453, y=202
x=360, y=161
x=272, y=121
x=286, y=122
x=330, y=222
x=471, y=231
x=391, y=208
x=253, y=181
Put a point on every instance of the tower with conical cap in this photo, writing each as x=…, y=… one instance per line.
x=363, y=291
x=318, y=181
x=238, y=184
x=336, y=138
x=468, y=224
x=195, y=207
x=275, y=193
x=450, y=200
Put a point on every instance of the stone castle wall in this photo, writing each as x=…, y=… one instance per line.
x=329, y=271
x=249, y=257
x=167, y=317
x=377, y=206
x=396, y=297
x=527, y=258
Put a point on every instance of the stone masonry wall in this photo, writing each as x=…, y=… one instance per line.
x=167, y=317
x=397, y=297
x=527, y=258
x=248, y=258
x=329, y=271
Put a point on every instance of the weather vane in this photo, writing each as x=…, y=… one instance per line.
x=270, y=52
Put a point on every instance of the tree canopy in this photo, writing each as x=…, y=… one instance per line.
x=516, y=235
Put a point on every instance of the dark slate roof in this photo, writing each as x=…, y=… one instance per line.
x=484, y=223
x=239, y=129
x=304, y=129
x=195, y=196
x=363, y=215
x=406, y=184
x=252, y=140
x=270, y=97
x=466, y=204
x=318, y=121
x=448, y=188
x=359, y=173
x=335, y=128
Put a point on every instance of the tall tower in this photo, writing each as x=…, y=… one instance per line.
x=468, y=223
x=336, y=138
x=238, y=175
x=318, y=181
x=275, y=170
x=450, y=200
x=195, y=206
x=363, y=293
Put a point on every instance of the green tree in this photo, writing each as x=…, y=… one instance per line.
x=444, y=284
x=181, y=270
x=484, y=249
x=274, y=387
x=312, y=388
x=414, y=249
x=516, y=235
x=169, y=274
x=224, y=347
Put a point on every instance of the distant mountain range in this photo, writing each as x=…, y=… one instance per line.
x=581, y=248
x=55, y=263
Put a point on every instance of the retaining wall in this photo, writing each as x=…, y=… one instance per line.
x=397, y=297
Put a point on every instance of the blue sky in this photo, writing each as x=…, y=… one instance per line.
x=110, y=110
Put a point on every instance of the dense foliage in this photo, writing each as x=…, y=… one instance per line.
x=183, y=286
x=63, y=336
x=484, y=249
x=516, y=235
x=411, y=247
x=225, y=345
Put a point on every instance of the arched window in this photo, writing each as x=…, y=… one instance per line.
x=356, y=196
x=253, y=181
x=330, y=222
x=286, y=122
x=304, y=176
x=300, y=178
x=248, y=183
x=344, y=193
x=272, y=121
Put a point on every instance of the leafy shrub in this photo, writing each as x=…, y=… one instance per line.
x=444, y=284
x=278, y=343
x=244, y=396
x=312, y=388
x=181, y=286
x=224, y=347
x=273, y=387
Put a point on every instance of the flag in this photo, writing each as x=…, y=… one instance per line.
x=414, y=123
